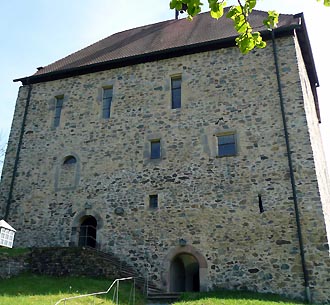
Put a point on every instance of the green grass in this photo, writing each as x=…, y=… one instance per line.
x=29, y=289
x=13, y=251
x=225, y=297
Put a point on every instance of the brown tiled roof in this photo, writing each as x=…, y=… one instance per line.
x=152, y=42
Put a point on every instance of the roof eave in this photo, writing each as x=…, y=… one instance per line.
x=307, y=54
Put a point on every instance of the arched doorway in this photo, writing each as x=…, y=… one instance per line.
x=87, y=231
x=184, y=273
x=192, y=264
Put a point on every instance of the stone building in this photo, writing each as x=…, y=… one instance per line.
x=201, y=167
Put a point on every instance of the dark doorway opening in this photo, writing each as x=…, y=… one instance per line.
x=184, y=273
x=87, y=232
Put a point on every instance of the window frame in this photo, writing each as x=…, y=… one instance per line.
x=232, y=143
x=153, y=199
x=59, y=100
x=64, y=168
x=106, y=102
x=69, y=160
x=155, y=155
x=176, y=104
x=6, y=237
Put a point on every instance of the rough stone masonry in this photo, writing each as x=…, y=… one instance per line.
x=208, y=211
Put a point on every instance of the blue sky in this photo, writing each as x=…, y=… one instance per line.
x=37, y=32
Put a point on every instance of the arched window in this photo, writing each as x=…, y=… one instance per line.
x=87, y=232
x=69, y=160
x=67, y=173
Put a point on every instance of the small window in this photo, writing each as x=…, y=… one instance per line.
x=6, y=237
x=58, y=110
x=153, y=201
x=106, y=102
x=176, y=92
x=227, y=145
x=70, y=160
x=155, y=149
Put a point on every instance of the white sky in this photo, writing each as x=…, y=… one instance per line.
x=35, y=33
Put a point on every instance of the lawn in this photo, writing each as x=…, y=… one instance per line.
x=29, y=289
x=13, y=251
x=233, y=298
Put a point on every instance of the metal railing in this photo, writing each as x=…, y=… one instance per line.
x=146, y=284
x=116, y=294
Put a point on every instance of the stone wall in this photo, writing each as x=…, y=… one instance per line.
x=13, y=265
x=9, y=161
x=75, y=261
x=316, y=235
x=209, y=202
x=64, y=261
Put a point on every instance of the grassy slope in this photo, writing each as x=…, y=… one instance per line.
x=13, y=251
x=30, y=289
x=234, y=298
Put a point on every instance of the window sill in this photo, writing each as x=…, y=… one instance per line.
x=227, y=156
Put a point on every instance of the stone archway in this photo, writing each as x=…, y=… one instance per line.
x=185, y=270
x=86, y=218
x=184, y=273
x=87, y=231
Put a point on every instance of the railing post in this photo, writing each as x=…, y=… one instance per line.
x=134, y=291
x=117, y=293
x=147, y=283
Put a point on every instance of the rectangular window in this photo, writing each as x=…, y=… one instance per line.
x=6, y=238
x=227, y=145
x=153, y=201
x=176, y=92
x=155, y=149
x=58, y=110
x=106, y=102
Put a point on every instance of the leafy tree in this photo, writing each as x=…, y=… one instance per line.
x=247, y=39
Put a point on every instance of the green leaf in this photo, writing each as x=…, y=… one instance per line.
x=176, y=4
x=231, y=13
x=193, y=7
x=217, y=14
x=261, y=45
x=272, y=19
x=245, y=43
x=241, y=27
x=326, y=2
x=251, y=4
x=247, y=39
x=238, y=9
x=172, y=4
x=216, y=8
x=193, y=10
